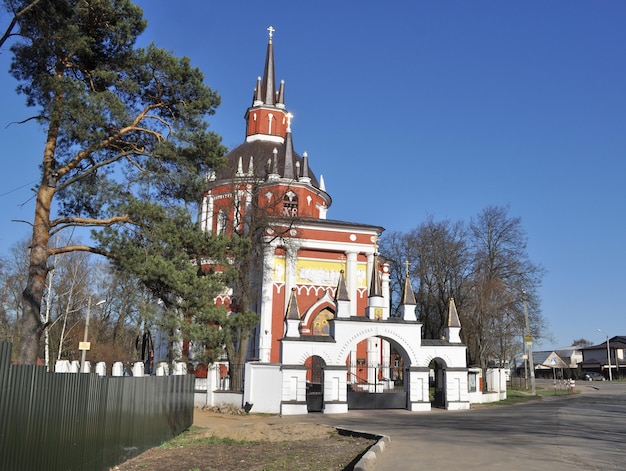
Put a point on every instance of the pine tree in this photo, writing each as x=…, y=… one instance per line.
x=125, y=130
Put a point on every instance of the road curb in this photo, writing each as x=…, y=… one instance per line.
x=368, y=460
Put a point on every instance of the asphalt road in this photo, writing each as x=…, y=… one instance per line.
x=586, y=431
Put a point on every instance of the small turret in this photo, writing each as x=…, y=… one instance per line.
x=377, y=308
x=292, y=316
x=453, y=331
x=342, y=299
x=408, y=303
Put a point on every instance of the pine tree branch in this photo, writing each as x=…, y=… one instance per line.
x=16, y=16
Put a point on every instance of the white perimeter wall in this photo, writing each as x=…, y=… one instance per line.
x=264, y=382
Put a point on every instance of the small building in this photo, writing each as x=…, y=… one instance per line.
x=602, y=358
x=571, y=355
x=548, y=364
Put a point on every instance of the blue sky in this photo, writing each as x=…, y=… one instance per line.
x=418, y=108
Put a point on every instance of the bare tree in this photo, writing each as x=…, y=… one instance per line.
x=397, y=250
x=442, y=271
x=13, y=278
x=485, y=267
x=494, y=316
x=439, y=263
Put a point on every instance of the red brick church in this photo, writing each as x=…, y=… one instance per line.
x=305, y=253
x=324, y=337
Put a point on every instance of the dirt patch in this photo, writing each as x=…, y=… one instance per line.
x=227, y=442
x=257, y=427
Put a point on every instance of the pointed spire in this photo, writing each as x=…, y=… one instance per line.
x=251, y=166
x=268, y=89
x=305, y=169
x=292, y=316
x=280, y=100
x=258, y=97
x=408, y=295
x=240, y=167
x=375, y=284
x=322, y=184
x=288, y=172
x=453, y=316
x=452, y=332
x=272, y=167
x=293, y=313
x=342, y=290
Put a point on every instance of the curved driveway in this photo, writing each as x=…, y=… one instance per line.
x=582, y=432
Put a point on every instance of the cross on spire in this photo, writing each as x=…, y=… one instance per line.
x=407, y=263
x=271, y=30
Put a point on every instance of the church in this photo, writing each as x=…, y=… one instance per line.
x=325, y=341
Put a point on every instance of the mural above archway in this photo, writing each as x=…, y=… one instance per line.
x=320, y=324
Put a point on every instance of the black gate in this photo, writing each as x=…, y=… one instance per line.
x=377, y=387
x=438, y=385
x=315, y=384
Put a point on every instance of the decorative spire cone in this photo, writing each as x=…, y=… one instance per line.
x=453, y=330
x=408, y=304
x=288, y=172
x=376, y=304
x=292, y=316
x=342, y=298
x=267, y=87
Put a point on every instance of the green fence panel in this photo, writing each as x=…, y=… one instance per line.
x=80, y=421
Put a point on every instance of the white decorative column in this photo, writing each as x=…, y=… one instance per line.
x=293, y=396
x=373, y=359
x=267, y=298
x=417, y=379
x=386, y=359
x=370, y=263
x=385, y=290
x=457, y=395
x=335, y=390
x=351, y=280
x=291, y=257
x=206, y=213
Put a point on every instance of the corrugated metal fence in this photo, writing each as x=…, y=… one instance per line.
x=78, y=421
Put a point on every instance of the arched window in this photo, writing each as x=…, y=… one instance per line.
x=290, y=204
x=222, y=218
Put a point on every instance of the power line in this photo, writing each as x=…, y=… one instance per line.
x=18, y=188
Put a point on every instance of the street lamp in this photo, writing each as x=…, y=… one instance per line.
x=528, y=339
x=84, y=345
x=608, y=355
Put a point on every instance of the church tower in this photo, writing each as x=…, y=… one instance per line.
x=265, y=167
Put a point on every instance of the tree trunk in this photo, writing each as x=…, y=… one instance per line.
x=32, y=327
x=38, y=260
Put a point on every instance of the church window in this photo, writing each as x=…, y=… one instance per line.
x=290, y=204
x=222, y=218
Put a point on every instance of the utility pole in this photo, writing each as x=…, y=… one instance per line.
x=528, y=339
x=608, y=354
x=84, y=345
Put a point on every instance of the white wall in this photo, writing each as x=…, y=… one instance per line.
x=263, y=389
